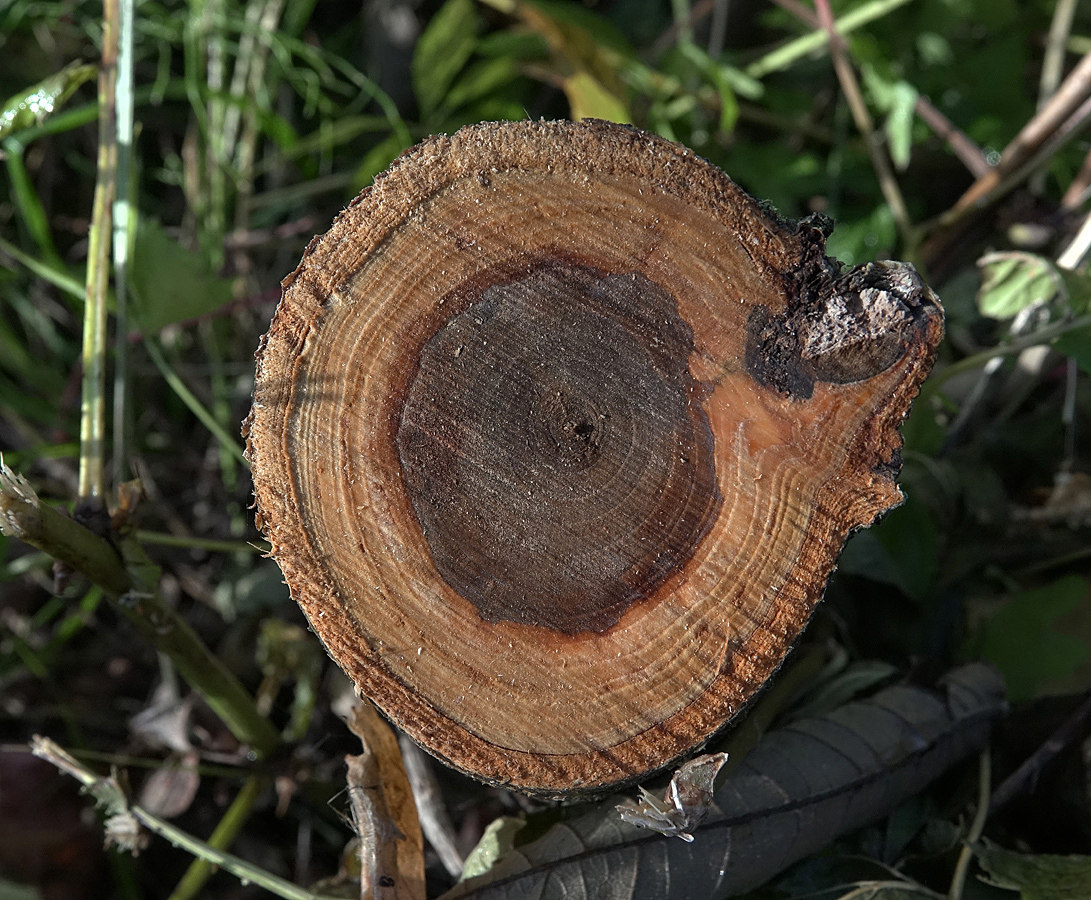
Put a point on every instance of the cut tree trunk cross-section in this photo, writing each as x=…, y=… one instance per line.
x=557, y=435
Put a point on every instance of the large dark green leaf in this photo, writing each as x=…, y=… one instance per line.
x=797, y=790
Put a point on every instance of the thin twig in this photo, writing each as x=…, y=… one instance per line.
x=784, y=56
x=246, y=146
x=681, y=12
x=201, y=543
x=1070, y=259
x=998, y=185
x=968, y=364
x=1065, y=559
x=1032, y=767
x=868, y=890
x=671, y=35
x=221, y=838
x=717, y=28
x=1080, y=187
x=227, y=441
x=1053, y=68
x=248, y=239
x=971, y=155
x=1031, y=358
x=984, y=786
x=1056, y=43
x=1068, y=413
x=1078, y=248
x=1023, y=324
x=1034, y=136
x=92, y=484
x=434, y=821
x=851, y=87
x=801, y=12
x=109, y=794
x=216, y=156
x=960, y=143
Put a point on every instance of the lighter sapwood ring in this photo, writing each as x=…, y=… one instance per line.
x=556, y=437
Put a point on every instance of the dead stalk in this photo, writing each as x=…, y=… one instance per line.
x=860, y=114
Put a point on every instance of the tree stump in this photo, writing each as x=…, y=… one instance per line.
x=557, y=435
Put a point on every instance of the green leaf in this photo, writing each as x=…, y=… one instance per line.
x=443, y=49
x=37, y=103
x=376, y=160
x=898, y=99
x=865, y=239
x=587, y=56
x=514, y=45
x=1037, y=877
x=899, y=123
x=728, y=82
x=170, y=283
x=1077, y=344
x=498, y=839
x=1078, y=287
x=597, y=35
x=480, y=79
x=589, y=99
x=857, y=679
x=908, y=535
x=14, y=890
x=864, y=555
x=1010, y=282
x=1021, y=641
x=934, y=49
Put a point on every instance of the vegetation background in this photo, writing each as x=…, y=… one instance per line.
x=925, y=130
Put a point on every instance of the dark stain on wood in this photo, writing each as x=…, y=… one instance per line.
x=556, y=461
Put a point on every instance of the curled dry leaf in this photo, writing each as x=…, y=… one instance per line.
x=391, y=844
x=170, y=789
x=686, y=803
x=165, y=722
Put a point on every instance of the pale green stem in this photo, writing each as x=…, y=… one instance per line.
x=130, y=580
x=109, y=794
x=123, y=237
x=200, y=543
x=1043, y=336
x=190, y=399
x=783, y=57
x=46, y=271
x=880, y=162
x=984, y=792
x=92, y=477
x=226, y=831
